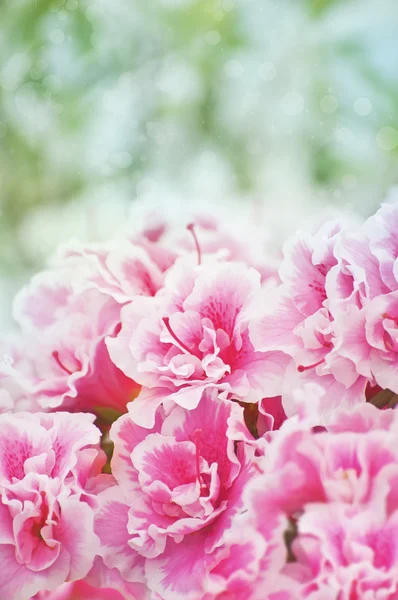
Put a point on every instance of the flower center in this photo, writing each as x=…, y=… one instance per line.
x=41, y=521
x=197, y=440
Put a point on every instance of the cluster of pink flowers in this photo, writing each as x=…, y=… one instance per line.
x=183, y=417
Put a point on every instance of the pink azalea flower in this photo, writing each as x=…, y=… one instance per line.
x=195, y=334
x=14, y=381
x=237, y=566
x=118, y=269
x=336, y=492
x=370, y=337
x=46, y=509
x=57, y=444
x=79, y=590
x=356, y=278
x=346, y=553
x=382, y=229
x=100, y=584
x=365, y=316
x=298, y=322
x=248, y=564
x=101, y=577
x=13, y=396
x=180, y=486
x=66, y=362
x=207, y=235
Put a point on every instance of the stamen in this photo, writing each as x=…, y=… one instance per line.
x=191, y=228
x=55, y=355
x=166, y=321
x=302, y=368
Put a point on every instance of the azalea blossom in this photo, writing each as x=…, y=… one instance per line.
x=240, y=240
x=101, y=583
x=65, y=362
x=336, y=491
x=179, y=486
x=367, y=319
x=298, y=320
x=193, y=335
x=47, y=465
x=245, y=445
x=118, y=269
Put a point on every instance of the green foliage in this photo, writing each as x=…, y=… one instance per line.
x=114, y=91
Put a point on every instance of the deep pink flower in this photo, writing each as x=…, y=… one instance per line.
x=79, y=590
x=194, y=335
x=48, y=465
x=179, y=487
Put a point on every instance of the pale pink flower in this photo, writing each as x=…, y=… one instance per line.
x=356, y=278
x=13, y=395
x=59, y=445
x=192, y=335
x=14, y=384
x=48, y=465
x=369, y=336
x=297, y=321
x=237, y=567
x=66, y=363
x=207, y=235
x=336, y=491
x=383, y=243
x=345, y=465
x=346, y=553
x=118, y=269
x=247, y=564
x=6, y=368
x=365, y=308
x=180, y=486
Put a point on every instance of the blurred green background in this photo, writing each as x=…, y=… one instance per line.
x=292, y=103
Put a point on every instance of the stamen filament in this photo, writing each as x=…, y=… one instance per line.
x=302, y=368
x=191, y=228
x=55, y=355
x=166, y=321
